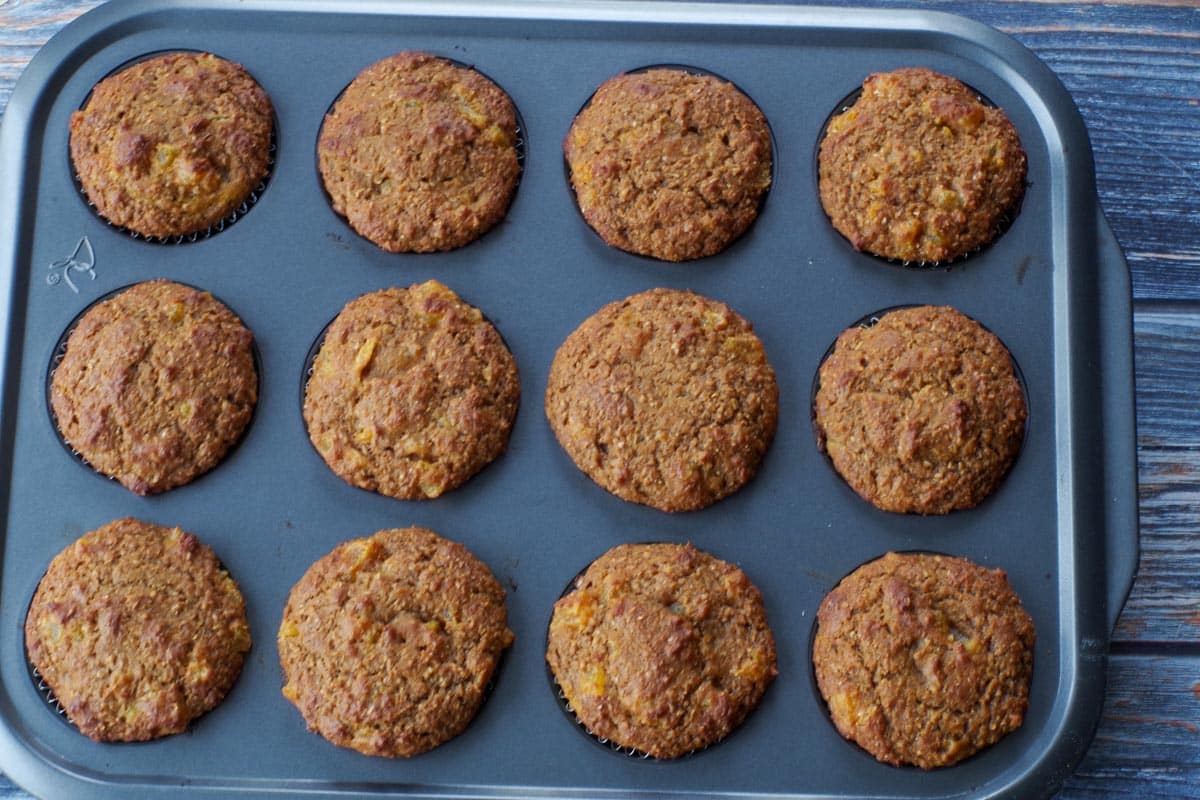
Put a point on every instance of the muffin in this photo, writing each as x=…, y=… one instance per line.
x=922, y=412
x=924, y=659
x=138, y=630
x=661, y=648
x=411, y=393
x=419, y=154
x=388, y=643
x=172, y=145
x=157, y=383
x=669, y=164
x=919, y=169
x=665, y=399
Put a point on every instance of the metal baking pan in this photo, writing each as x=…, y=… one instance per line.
x=1054, y=287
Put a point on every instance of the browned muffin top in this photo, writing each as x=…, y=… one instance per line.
x=388, y=642
x=157, y=383
x=669, y=164
x=137, y=629
x=922, y=412
x=419, y=154
x=924, y=659
x=412, y=392
x=919, y=169
x=662, y=648
x=173, y=144
x=665, y=399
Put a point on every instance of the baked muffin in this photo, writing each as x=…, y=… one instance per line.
x=173, y=144
x=665, y=399
x=661, y=648
x=388, y=643
x=921, y=412
x=157, y=383
x=137, y=629
x=412, y=392
x=919, y=169
x=419, y=154
x=924, y=659
x=669, y=164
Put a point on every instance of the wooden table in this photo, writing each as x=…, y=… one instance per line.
x=1133, y=67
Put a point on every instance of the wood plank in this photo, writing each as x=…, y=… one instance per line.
x=1148, y=743
x=1164, y=606
x=24, y=28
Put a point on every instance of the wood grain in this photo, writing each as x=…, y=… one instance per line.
x=1148, y=745
x=1133, y=68
x=1164, y=606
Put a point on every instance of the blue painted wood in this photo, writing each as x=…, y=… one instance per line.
x=1133, y=68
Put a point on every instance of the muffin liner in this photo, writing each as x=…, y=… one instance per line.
x=224, y=223
x=690, y=70
x=46, y=693
x=518, y=144
x=869, y=321
x=1002, y=224
x=60, y=351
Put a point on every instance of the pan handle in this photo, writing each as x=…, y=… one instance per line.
x=1120, y=420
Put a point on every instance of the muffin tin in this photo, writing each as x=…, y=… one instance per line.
x=1054, y=287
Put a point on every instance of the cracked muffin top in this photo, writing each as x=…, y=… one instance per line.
x=919, y=169
x=662, y=648
x=411, y=393
x=668, y=164
x=924, y=659
x=388, y=643
x=172, y=145
x=157, y=384
x=419, y=154
x=921, y=412
x=665, y=399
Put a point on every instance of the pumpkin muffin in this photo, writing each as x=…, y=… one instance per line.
x=924, y=659
x=411, y=393
x=669, y=164
x=921, y=412
x=419, y=154
x=138, y=630
x=919, y=169
x=388, y=643
x=174, y=144
x=665, y=399
x=157, y=384
x=661, y=648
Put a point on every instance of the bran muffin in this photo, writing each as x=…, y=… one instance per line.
x=173, y=144
x=157, y=383
x=388, y=643
x=420, y=154
x=412, y=392
x=662, y=648
x=921, y=412
x=924, y=659
x=669, y=164
x=665, y=399
x=919, y=169
x=137, y=629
